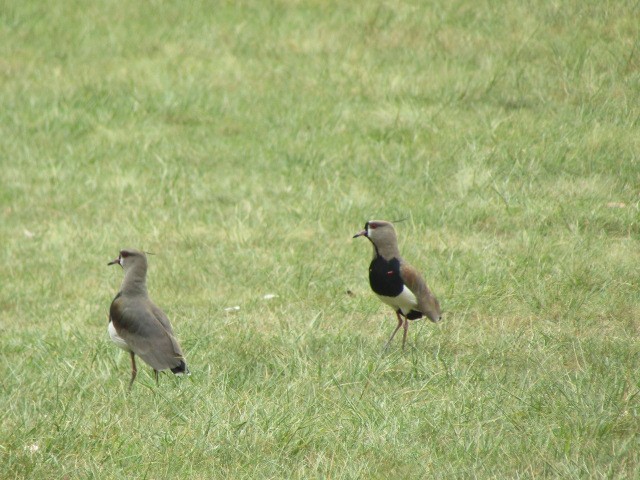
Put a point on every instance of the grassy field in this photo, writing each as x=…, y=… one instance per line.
x=244, y=143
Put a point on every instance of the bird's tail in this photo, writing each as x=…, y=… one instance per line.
x=181, y=369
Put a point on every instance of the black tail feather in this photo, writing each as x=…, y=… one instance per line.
x=181, y=369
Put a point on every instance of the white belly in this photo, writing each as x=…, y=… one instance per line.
x=117, y=339
x=406, y=301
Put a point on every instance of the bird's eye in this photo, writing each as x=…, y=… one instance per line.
x=372, y=226
x=124, y=254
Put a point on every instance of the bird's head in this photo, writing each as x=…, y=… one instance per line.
x=381, y=234
x=130, y=258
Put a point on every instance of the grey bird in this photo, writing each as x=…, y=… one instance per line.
x=396, y=282
x=137, y=325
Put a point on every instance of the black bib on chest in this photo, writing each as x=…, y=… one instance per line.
x=384, y=277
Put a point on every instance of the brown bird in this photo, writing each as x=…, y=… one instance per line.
x=137, y=325
x=396, y=282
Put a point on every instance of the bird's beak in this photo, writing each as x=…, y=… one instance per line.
x=113, y=262
x=359, y=234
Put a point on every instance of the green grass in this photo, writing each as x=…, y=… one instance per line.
x=244, y=143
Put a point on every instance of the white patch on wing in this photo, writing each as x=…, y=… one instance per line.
x=117, y=339
x=406, y=301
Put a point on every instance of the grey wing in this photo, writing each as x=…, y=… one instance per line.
x=145, y=334
x=427, y=302
x=161, y=317
x=164, y=321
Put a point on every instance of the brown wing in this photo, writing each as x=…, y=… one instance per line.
x=427, y=302
x=135, y=322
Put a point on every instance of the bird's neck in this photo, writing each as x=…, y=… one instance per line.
x=386, y=251
x=134, y=282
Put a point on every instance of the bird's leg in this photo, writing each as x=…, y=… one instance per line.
x=134, y=369
x=404, y=335
x=394, y=332
x=155, y=374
